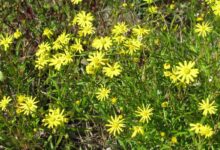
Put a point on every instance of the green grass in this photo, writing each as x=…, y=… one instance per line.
x=172, y=39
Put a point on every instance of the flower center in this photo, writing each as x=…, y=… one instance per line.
x=186, y=71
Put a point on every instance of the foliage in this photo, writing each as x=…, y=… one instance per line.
x=133, y=74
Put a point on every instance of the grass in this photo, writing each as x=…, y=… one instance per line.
x=171, y=39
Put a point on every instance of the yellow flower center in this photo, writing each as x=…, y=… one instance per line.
x=186, y=71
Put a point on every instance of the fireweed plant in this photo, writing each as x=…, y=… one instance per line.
x=81, y=74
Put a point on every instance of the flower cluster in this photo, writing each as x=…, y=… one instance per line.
x=203, y=130
x=117, y=123
x=54, y=118
x=7, y=40
x=183, y=73
x=26, y=105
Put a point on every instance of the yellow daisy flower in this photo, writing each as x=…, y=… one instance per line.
x=54, y=118
x=42, y=61
x=6, y=41
x=43, y=49
x=137, y=130
x=83, y=19
x=185, y=72
x=103, y=93
x=139, y=31
x=115, y=125
x=207, y=107
x=4, y=102
x=152, y=9
x=102, y=43
x=60, y=59
x=90, y=69
x=27, y=106
x=112, y=70
x=97, y=59
x=203, y=28
x=206, y=131
x=47, y=32
x=61, y=41
x=132, y=45
x=195, y=127
x=86, y=30
x=77, y=46
x=144, y=113
x=203, y=130
x=120, y=28
x=17, y=34
x=216, y=8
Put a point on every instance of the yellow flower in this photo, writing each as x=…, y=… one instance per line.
x=41, y=61
x=77, y=102
x=174, y=140
x=173, y=76
x=77, y=46
x=102, y=93
x=114, y=100
x=149, y=1
x=83, y=19
x=47, y=32
x=6, y=41
x=115, y=125
x=61, y=41
x=207, y=107
x=195, y=127
x=90, y=69
x=119, y=39
x=113, y=70
x=54, y=118
x=43, y=49
x=210, y=1
x=17, y=34
x=60, y=59
x=203, y=130
x=185, y=72
x=137, y=130
x=167, y=73
x=120, y=28
x=102, y=43
x=203, y=28
x=166, y=66
x=124, y=4
x=133, y=45
x=153, y=9
x=96, y=59
x=206, y=131
x=216, y=7
x=162, y=134
x=27, y=106
x=172, y=6
x=20, y=98
x=86, y=30
x=76, y=1
x=164, y=104
x=4, y=102
x=139, y=31
x=145, y=113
